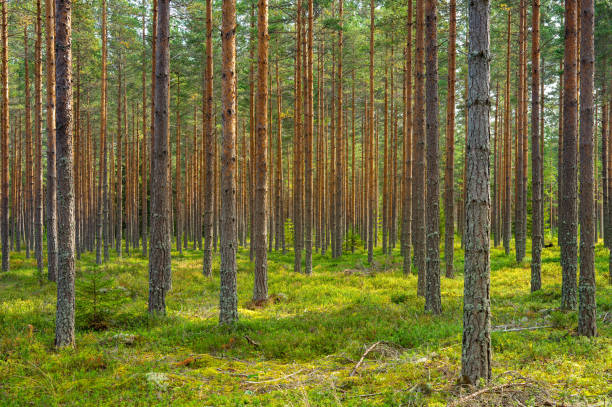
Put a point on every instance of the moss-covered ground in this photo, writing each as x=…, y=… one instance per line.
x=302, y=347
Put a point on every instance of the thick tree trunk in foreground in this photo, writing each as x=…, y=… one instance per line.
x=260, y=221
x=432, y=291
x=159, y=254
x=228, y=296
x=209, y=142
x=587, y=310
x=51, y=160
x=536, y=158
x=567, y=210
x=476, y=349
x=64, y=323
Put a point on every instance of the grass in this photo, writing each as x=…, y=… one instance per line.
x=301, y=348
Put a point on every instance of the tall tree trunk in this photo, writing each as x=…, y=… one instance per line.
x=29, y=171
x=587, y=310
x=369, y=159
x=520, y=137
x=51, y=160
x=407, y=190
x=178, y=168
x=507, y=205
x=38, y=182
x=432, y=292
x=418, y=190
x=119, y=175
x=159, y=255
x=280, y=219
x=297, y=185
x=228, y=305
x=536, y=158
x=449, y=181
x=260, y=220
x=5, y=142
x=476, y=349
x=308, y=139
x=339, y=211
x=604, y=176
x=64, y=323
x=567, y=211
x=104, y=143
x=209, y=141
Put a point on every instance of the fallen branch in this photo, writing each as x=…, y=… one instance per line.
x=250, y=341
x=527, y=328
x=485, y=390
x=363, y=357
x=275, y=380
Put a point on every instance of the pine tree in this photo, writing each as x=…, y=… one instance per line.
x=432, y=291
x=51, y=212
x=209, y=140
x=64, y=323
x=587, y=310
x=159, y=254
x=567, y=227
x=228, y=306
x=476, y=350
x=536, y=158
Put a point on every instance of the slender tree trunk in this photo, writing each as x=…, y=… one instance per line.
x=5, y=142
x=119, y=175
x=260, y=220
x=38, y=182
x=587, y=310
x=507, y=205
x=536, y=158
x=228, y=305
x=520, y=137
x=280, y=219
x=29, y=172
x=449, y=182
x=476, y=349
x=51, y=170
x=419, y=192
x=432, y=292
x=567, y=211
x=209, y=140
x=369, y=159
x=104, y=143
x=64, y=323
x=159, y=255
x=407, y=190
x=308, y=139
x=297, y=186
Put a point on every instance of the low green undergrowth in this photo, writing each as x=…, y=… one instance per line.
x=302, y=347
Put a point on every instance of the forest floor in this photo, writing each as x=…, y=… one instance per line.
x=303, y=347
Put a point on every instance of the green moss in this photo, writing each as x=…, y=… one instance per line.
x=309, y=338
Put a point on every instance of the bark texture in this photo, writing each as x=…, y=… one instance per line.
x=536, y=157
x=260, y=221
x=228, y=296
x=567, y=203
x=587, y=310
x=64, y=322
x=476, y=347
x=160, y=244
x=432, y=292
